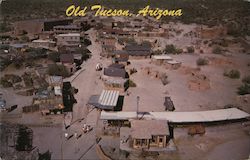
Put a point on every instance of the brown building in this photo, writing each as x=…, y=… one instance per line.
x=68, y=61
x=38, y=25
x=108, y=46
x=149, y=135
x=67, y=29
x=109, y=41
x=39, y=43
x=69, y=39
x=121, y=57
x=138, y=51
x=107, y=50
x=115, y=77
x=47, y=100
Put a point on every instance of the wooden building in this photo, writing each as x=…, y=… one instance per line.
x=147, y=135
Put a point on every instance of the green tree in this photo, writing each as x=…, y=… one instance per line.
x=58, y=70
x=24, y=139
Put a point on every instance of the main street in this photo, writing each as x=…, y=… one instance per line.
x=87, y=82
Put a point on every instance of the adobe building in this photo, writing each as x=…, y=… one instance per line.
x=69, y=39
x=160, y=59
x=121, y=57
x=39, y=43
x=138, y=51
x=115, y=77
x=68, y=61
x=146, y=135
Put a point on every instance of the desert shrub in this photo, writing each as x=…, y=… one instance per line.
x=171, y=49
x=201, y=61
x=246, y=79
x=58, y=70
x=244, y=89
x=5, y=83
x=205, y=42
x=217, y=50
x=190, y=49
x=223, y=43
x=179, y=51
x=164, y=79
x=132, y=71
x=234, y=74
x=4, y=62
x=131, y=83
x=24, y=38
x=18, y=62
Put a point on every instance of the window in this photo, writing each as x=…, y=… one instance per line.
x=160, y=140
x=137, y=142
x=144, y=142
x=154, y=139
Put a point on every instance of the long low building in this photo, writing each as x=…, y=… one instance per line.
x=180, y=117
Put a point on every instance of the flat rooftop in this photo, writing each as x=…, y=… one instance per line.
x=181, y=117
x=145, y=129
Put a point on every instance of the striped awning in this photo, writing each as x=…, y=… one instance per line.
x=109, y=98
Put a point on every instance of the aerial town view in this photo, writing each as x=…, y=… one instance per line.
x=124, y=80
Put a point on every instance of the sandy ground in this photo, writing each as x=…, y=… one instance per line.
x=230, y=141
x=152, y=91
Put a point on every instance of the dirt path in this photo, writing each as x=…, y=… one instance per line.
x=86, y=81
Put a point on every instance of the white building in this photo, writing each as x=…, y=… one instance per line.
x=69, y=39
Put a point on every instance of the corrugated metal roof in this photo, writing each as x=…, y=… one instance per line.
x=109, y=98
x=182, y=117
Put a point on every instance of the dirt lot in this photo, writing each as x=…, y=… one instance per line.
x=151, y=90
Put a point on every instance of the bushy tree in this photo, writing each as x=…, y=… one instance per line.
x=58, y=70
x=24, y=139
x=171, y=49
x=54, y=56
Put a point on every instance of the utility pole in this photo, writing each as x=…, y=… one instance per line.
x=137, y=107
